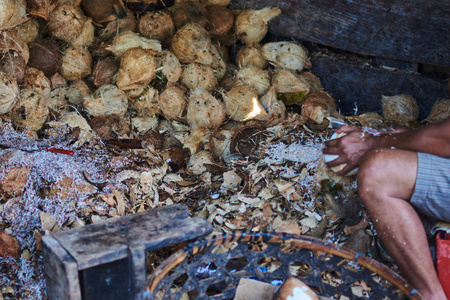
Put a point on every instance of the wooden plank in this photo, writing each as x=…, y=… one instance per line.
x=413, y=30
x=109, y=241
x=60, y=270
x=361, y=87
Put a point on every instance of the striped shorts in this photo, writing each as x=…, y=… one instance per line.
x=431, y=195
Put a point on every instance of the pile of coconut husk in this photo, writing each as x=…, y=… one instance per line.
x=108, y=109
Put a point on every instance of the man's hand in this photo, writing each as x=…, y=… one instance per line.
x=350, y=148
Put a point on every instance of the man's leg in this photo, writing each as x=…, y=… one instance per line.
x=386, y=180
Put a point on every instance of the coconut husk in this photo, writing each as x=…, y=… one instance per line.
x=13, y=64
x=197, y=75
x=221, y=22
x=66, y=22
x=13, y=13
x=252, y=25
x=157, y=25
x=110, y=127
x=172, y=102
x=250, y=55
x=255, y=78
x=318, y=105
x=439, y=112
x=204, y=110
x=145, y=103
x=30, y=111
x=11, y=40
x=36, y=79
x=127, y=23
x=107, y=100
x=169, y=65
x=242, y=104
x=400, y=109
x=127, y=40
x=41, y=8
x=137, y=68
x=76, y=63
x=10, y=92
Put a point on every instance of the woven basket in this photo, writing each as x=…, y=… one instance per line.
x=203, y=270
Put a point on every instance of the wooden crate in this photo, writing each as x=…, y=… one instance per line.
x=364, y=49
x=107, y=260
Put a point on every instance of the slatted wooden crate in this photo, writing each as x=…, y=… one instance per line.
x=107, y=260
x=376, y=47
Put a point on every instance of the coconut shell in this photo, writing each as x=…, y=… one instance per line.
x=30, y=111
x=46, y=56
x=104, y=70
x=66, y=22
x=204, y=110
x=197, y=75
x=286, y=55
x=112, y=29
x=169, y=65
x=13, y=64
x=252, y=25
x=107, y=100
x=102, y=11
x=318, y=105
x=400, y=109
x=12, y=13
x=172, y=102
x=9, y=91
x=41, y=8
x=37, y=80
x=192, y=43
x=157, y=25
x=189, y=12
x=242, y=104
x=250, y=55
x=287, y=82
x=254, y=77
x=137, y=68
x=127, y=40
x=439, y=112
x=76, y=63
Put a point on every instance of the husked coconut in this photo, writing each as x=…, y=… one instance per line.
x=372, y=119
x=86, y=36
x=274, y=107
x=12, y=40
x=286, y=55
x=439, y=112
x=66, y=22
x=102, y=11
x=251, y=26
x=318, y=105
x=192, y=43
x=77, y=91
x=197, y=75
x=146, y=104
x=285, y=81
x=222, y=141
x=185, y=12
x=221, y=22
x=13, y=13
x=400, y=109
x=104, y=71
x=137, y=68
x=45, y=56
x=37, y=80
x=9, y=93
x=128, y=40
x=41, y=8
x=13, y=64
x=76, y=63
x=113, y=28
x=158, y=25
x=314, y=82
x=204, y=110
x=218, y=64
x=172, y=102
x=250, y=55
x=107, y=100
x=30, y=111
x=242, y=104
x=29, y=30
x=255, y=78
x=169, y=65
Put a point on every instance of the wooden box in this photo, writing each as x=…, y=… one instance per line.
x=364, y=49
x=107, y=260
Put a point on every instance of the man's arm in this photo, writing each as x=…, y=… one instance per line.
x=432, y=139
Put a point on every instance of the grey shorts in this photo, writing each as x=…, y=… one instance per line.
x=431, y=195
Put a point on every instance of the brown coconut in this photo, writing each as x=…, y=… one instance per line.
x=106, y=100
x=169, y=65
x=37, y=80
x=9, y=93
x=66, y=22
x=104, y=70
x=86, y=36
x=12, y=40
x=189, y=12
x=400, y=109
x=252, y=25
x=41, y=8
x=221, y=23
x=287, y=82
x=30, y=111
x=13, y=64
x=46, y=56
x=204, y=110
x=172, y=102
x=197, y=75
x=127, y=40
x=192, y=43
x=102, y=11
x=76, y=63
x=286, y=55
x=250, y=55
x=242, y=104
x=216, y=2
x=12, y=13
x=157, y=25
x=77, y=91
x=137, y=68
x=439, y=112
x=127, y=23
x=318, y=105
x=256, y=78
x=29, y=30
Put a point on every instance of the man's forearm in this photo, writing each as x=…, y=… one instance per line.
x=433, y=139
